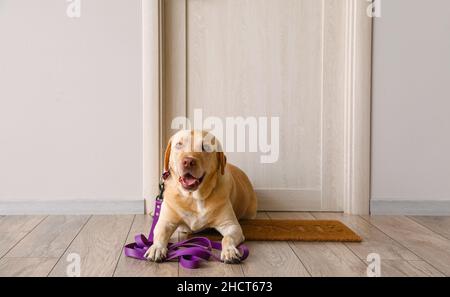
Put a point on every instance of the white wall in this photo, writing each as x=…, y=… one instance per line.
x=70, y=101
x=411, y=101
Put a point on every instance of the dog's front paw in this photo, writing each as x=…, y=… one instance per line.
x=156, y=253
x=230, y=255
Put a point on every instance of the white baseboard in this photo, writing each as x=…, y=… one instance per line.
x=73, y=207
x=426, y=208
x=81, y=207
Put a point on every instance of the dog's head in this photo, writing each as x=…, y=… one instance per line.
x=195, y=159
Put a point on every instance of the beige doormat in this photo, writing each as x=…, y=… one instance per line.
x=295, y=230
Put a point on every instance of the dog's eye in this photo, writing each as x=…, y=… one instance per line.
x=206, y=148
x=179, y=145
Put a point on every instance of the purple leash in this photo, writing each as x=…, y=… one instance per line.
x=189, y=252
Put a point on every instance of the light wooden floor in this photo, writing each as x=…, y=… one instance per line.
x=408, y=246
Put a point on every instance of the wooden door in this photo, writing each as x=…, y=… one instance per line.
x=284, y=59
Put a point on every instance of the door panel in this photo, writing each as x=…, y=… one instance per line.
x=273, y=58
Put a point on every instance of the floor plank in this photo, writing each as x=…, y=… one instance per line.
x=396, y=260
x=50, y=239
x=408, y=246
x=99, y=245
x=26, y=267
x=374, y=241
x=15, y=228
x=212, y=269
x=16, y=224
x=440, y=225
x=329, y=259
x=402, y=268
x=274, y=258
x=129, y=267
x=430, y=246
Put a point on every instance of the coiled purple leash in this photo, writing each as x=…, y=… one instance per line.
x=189, y=252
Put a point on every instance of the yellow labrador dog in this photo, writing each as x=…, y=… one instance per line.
x=203, y=191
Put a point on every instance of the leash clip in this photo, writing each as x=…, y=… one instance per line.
x=164, y=176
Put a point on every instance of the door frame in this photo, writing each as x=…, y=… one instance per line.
x=357, y=100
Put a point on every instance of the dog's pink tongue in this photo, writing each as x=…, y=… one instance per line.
x=189, y=180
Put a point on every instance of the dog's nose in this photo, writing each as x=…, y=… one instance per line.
x=188, y=162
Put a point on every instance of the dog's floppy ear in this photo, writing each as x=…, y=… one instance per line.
x=167, y=155
x=222, y=159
